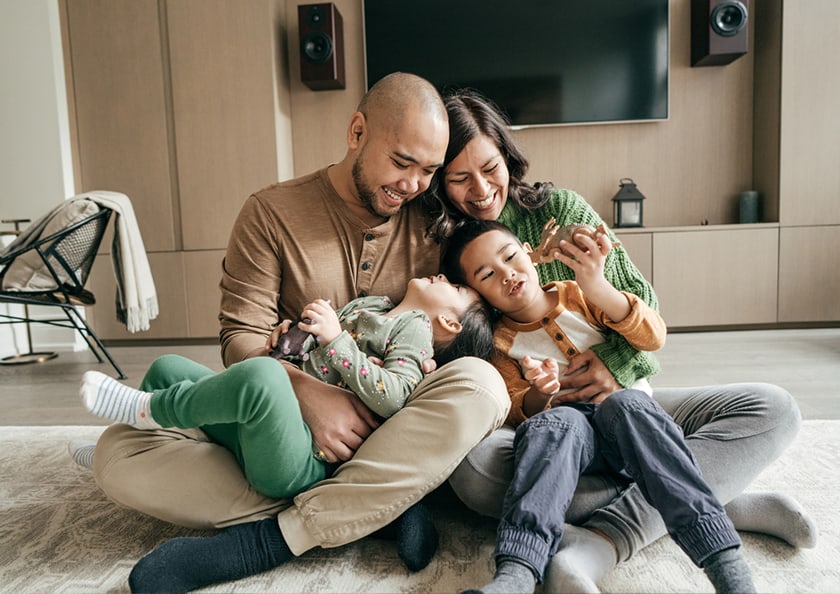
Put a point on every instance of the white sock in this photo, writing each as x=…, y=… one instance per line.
x=584, y=559
x=82, y=452
x=107, y=398
x=775, y=514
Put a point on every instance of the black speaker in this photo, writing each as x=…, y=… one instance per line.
x=321, y=46
x=719, y=31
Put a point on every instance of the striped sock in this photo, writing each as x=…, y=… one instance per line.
x=107, y=398
x=82, y=452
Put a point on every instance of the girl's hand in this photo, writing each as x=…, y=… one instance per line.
x=324, y=322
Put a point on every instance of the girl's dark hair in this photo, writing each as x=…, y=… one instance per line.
x=463, y=234
x=470, y=115
x=475, y=338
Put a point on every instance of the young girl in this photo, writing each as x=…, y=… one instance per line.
x=251, y=407
x=626, y=433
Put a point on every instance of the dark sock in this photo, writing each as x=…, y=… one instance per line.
x=184, y=564
x=416, y=536
x=729, y=573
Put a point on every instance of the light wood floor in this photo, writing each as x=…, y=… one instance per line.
x=805, y=362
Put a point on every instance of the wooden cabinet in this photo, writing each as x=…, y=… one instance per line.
x=168, y=271
x=118, y=91
x=639, y=247
x=809, y=276
x=175, y=104
x=221, y=60
x=716, y=276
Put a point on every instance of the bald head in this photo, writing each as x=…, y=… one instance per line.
x=398, y=94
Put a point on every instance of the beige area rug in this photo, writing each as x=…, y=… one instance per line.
x=59, y=534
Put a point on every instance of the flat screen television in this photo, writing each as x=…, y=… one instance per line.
x=544, y=62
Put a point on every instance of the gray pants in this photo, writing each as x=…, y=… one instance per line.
x=734, y=432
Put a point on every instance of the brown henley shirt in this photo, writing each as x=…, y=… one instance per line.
x=296, y=241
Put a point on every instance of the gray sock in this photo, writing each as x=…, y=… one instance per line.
x=584, y=559
x=511, y=576
x=729, y=573
x=775, y=514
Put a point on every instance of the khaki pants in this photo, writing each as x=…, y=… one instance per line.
x=180, y=476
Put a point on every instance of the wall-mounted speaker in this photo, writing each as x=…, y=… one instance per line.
x=321, y=46
x=719, y=31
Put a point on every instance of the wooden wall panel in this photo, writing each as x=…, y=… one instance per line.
x=221, y=54
x=809, y=177
x=320, y=118
x=691, y=167
x=120, y=108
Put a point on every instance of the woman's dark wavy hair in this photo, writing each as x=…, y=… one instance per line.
x=470, y=115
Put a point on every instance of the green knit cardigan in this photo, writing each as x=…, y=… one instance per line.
x=566, y=206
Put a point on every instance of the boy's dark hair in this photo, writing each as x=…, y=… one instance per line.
x=475, y=338
x=464, y=234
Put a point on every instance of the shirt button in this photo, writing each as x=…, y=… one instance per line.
x=368, y=236
x=362, y=293
x=570, y=352
x=366, y=266
x=545, y=320
x=558, y=336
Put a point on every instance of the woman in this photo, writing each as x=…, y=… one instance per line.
x=734, y=431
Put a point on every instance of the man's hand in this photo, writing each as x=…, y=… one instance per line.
x=589, y=379
x=339, y=421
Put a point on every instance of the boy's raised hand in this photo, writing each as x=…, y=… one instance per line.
x=543, y=375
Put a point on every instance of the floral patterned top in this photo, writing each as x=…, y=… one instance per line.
x=402, y=343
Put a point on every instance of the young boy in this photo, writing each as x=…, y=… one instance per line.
x=542, y=328
x=251, y=407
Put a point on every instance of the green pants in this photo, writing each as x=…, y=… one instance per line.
x=250, y=408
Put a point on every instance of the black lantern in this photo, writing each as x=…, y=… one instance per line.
x=627, y=205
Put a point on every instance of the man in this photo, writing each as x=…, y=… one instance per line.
x=345, y=231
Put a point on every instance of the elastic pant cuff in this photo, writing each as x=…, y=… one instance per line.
x=709, y=536
x=524, y=546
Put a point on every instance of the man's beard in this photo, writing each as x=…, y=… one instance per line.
x=367, y=196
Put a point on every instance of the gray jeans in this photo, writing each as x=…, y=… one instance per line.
x=733, y=430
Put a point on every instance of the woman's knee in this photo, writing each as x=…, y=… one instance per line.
x=778, y=409
x=482, y=478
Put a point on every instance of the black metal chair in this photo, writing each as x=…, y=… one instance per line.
x=67, y=256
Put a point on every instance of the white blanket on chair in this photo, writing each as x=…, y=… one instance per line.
x=137, y=302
